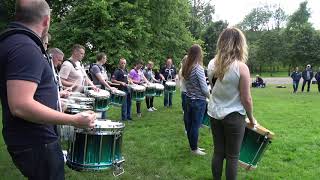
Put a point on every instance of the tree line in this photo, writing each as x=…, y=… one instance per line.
x=154, y=30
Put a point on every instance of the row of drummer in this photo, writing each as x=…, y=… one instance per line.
x=73, y=78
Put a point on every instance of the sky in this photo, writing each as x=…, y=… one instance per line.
x=235, y=10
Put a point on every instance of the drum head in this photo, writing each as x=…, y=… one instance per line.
x=102, y=93
x=151, y=85
x=159, y=86
x=119, y=93
x=138, y=88
x=108, y=124
x=170, y=83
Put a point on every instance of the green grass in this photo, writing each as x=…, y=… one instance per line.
x=155, y=146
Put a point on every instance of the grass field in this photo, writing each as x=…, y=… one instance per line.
x=155, y=146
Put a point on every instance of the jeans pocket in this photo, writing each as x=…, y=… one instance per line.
x=23, y=159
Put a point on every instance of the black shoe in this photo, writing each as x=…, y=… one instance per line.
x=129, y=118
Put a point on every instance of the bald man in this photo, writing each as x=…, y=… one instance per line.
x=29, y=96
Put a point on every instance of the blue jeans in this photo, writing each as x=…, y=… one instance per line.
x=295, y=86
x=183, y=101
x=304, y=83
x=193, y=116
x=167, y=98
x=39, y=162
x=126, y=107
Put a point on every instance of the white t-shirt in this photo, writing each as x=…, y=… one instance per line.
x=225, y=94
x=75, y=75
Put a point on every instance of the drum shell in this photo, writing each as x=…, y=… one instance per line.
x=252, y=148
x=137, y=94
x=117, y=99
x=170, y=87
x=95, y=149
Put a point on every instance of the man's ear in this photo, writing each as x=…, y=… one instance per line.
x=46, y=21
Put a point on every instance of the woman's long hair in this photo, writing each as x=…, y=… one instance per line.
x=194, y=57
x=231, y=46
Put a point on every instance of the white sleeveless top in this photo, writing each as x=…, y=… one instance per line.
x=225, y=94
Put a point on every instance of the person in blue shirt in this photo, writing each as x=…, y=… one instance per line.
x=29, y=95
x=317, y=76
x=296, y=76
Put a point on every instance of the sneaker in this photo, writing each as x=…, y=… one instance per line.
x=198, y=152
x=150, y=109
x=201, y=149
x=139, y=115
x=153, y=108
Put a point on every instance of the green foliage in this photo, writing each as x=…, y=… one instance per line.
x=257, y=19
x=147, y=30
x=6, y=12
x=299, y=17
x=210, y=37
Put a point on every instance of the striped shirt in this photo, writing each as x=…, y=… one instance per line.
x=196, y=85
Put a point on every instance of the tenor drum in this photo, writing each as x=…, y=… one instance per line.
x=254, y=144
x=102, y=99
x=138, y=92
x=150, y=89
x=159, y=89
x=117, y=98
x=170, y=86
x=98, y=148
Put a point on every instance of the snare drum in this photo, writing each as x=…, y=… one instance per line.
x=255, y=141
x=117, y=98
x=77, y=108
x=81, y=100
x=98, y=148
x=150, y=89
x=170, y=86
x=137, y=92
x=76, y=94
x=159, y=89
x=102, y=99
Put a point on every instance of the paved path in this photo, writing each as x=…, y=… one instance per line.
x=278, y=80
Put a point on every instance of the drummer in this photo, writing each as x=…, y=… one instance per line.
x=120, y=76
x=137, y=77
x=168, y=72
x=148, y=73
x=72, y=73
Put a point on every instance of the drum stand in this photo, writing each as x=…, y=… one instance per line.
x=117, y=165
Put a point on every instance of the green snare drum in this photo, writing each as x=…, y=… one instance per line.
x=77, y=108
x=254, y=144
x=138, y=92
x=170, y=86
x=98, y=148
x=81, y=100
x=102, y=99
x=150, y=89
x=117, y=98
x=159, y=89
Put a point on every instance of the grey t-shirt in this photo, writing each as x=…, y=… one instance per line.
x=95, y=69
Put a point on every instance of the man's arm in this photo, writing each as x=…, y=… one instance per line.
x=31, y=110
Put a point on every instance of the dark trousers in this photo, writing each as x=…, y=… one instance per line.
x=228, y=135
x=304, y=83
x=149, y=101
x=295, y=85
x=167, y=98
x=318, y=86
x=126, y=107
x=193, y=116
x=39, y=162
x=184, y=107
x=138, y=106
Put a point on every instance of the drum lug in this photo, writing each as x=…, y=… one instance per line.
x=118, y=168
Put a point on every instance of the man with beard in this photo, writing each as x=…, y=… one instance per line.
x=29, y=95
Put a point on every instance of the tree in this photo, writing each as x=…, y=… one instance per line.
x=210, y=37
x=279, y=17
x=6, y=12
x=257, y=20
x=299, y=17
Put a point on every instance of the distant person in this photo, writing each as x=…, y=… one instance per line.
x=317, y=76
x=307, y=75
x=148, y=73
x=168, y=73
x=231, y=101
x=296, y=76
x=258, y=82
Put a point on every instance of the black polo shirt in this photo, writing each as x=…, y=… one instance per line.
x=22, y=59
x=166, y=71
x=121, y=75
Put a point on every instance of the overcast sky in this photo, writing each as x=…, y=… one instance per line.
x=235, y=10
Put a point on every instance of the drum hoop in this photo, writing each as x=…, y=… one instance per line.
x=100, y=132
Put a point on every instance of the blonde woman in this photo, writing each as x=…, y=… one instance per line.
x=231, y=101
x=196, y=93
